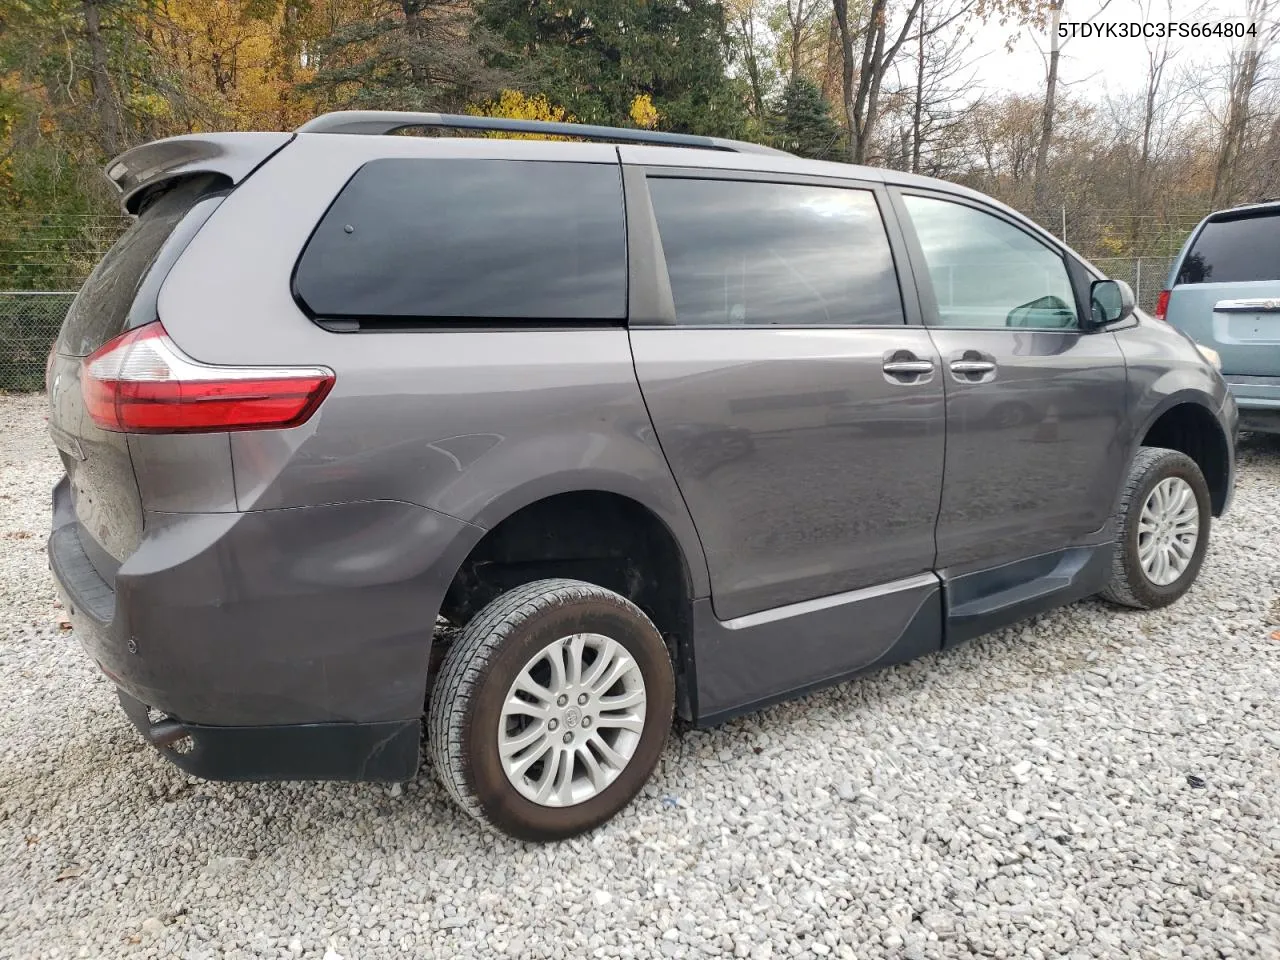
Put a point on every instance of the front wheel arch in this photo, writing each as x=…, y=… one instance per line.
x=1187, y=425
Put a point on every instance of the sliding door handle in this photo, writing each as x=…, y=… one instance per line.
x=972, y=366
x=907, y=368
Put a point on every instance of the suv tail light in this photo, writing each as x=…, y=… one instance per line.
x=1162, y=304
x=140, y=382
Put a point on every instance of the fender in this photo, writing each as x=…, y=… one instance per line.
x=669, y=510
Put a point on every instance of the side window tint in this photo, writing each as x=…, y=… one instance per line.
x=486, y=239
x=1234, y=251
x=988, y=273
x=773, y=254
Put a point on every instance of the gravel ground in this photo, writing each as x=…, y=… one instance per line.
x=1094, y=783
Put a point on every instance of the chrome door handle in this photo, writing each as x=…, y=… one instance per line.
x=972, y=366
x=907, y=368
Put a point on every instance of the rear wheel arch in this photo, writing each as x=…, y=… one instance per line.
x=1187, y=425
x=595, y=536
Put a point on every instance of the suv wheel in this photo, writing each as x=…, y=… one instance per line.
x=551, y=709
x=1163, y=530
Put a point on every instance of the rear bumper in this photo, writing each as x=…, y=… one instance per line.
x=279, y=618
x=1259, y=401
x=314, y=751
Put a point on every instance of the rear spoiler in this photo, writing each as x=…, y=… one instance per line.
x=137, y=172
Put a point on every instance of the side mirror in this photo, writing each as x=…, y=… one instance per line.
x=1110, y=301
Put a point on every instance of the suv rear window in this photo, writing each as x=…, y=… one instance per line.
x=1235, y=250
x=117, y=295
x=481, y=239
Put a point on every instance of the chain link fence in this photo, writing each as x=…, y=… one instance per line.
x=29, y=322
x=1147, y=275
x=30, y=319
x=44, y=258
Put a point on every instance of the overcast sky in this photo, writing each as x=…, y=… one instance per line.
x=1093, y=67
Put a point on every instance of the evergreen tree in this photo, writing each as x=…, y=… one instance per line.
x=802, y=122
x=596, y=57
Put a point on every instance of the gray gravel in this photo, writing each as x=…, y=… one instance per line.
x=1093, y=784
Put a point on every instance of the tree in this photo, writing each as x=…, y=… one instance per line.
x=802, y=122
x=406, y=55
x=869, y=48
x=801, y=26
x=745, y=26
x=938, y=109
x=864, y=75
x=1047, y=115
x=595, y=57
x=1244, y=78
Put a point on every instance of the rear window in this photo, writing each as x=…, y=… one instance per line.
x=120, y=293
x=428, y=239
x=1234, y=251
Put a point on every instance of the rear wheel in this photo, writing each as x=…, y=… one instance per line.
x=551, y=709
x=1163, y=530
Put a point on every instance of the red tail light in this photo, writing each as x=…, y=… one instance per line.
x=140, y=382
x=1162, y=304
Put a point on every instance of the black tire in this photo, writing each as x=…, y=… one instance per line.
x=482, y=663
x=1129, y=585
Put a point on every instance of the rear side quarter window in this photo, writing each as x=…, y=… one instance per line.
x=1237, y=249
x=422, y=238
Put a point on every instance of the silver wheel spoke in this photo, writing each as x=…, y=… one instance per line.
x=595, y=773
x=516, y=707
x=621, y=664
x=1145, y=550
x=622, y=701
x=564, y=777
x=511, y=745
x=551, y=737
x=611, y=756
x=605, y=656
x=521, y=766
x=547, y=778
x=573, y=674
x=526, y=684
x=555, y=656
x=626, y=721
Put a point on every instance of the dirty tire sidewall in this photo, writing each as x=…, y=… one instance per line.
x=493, y=649
x=1129, y=583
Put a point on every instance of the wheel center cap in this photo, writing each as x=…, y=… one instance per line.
x=572, y=716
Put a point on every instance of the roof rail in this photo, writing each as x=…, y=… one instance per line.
x=389, y=121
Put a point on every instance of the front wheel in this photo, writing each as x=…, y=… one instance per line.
x=1163, y=530
x=551, y=709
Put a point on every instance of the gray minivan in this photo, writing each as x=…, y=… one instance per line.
x=659, y=424
x=1224, y=293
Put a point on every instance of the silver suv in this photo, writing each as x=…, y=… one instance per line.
x=658, y=424
x=1224, y=292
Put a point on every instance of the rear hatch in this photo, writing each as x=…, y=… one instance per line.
x=1226, y=290
x=119, y=295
